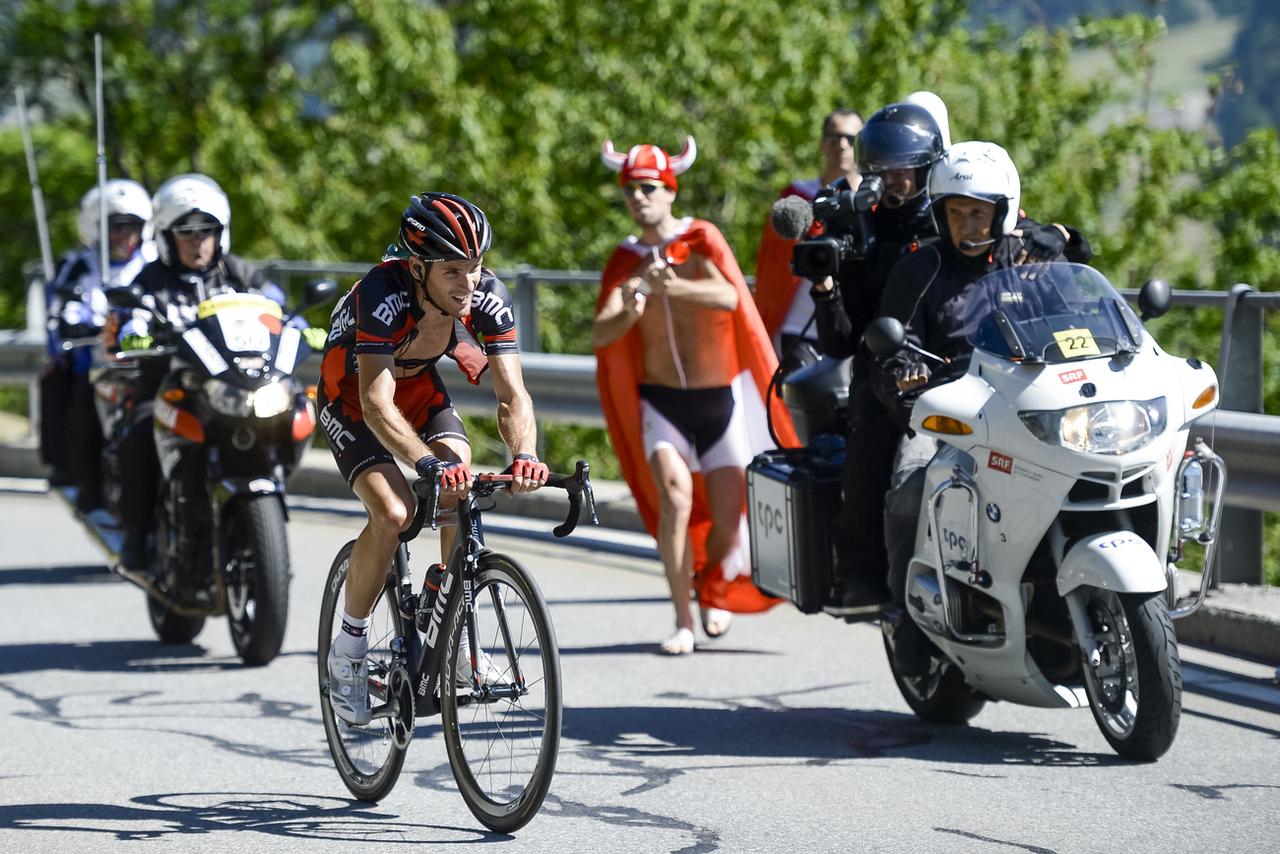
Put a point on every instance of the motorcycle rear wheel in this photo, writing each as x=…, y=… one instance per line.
x=258, y=578
x=942, y=696
x=171, y=627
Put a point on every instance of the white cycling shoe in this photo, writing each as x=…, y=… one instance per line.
x=489, y=672
x=349, y=688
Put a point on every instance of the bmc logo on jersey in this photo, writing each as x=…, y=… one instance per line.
x=1000, y=462
x=343, y=319
x=492, y=305
x=1069, y=377
x=391, y=306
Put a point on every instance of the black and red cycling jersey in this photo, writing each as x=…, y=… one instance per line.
x=381, y=313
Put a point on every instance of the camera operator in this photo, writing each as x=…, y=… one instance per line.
x=975, y=190
x=865, y=234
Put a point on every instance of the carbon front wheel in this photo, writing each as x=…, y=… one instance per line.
x=368, y=758
x=501, y=706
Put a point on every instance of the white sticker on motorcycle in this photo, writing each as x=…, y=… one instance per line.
x=243, y=330
x=205, y=351
x=287, y=352
x=955, y=519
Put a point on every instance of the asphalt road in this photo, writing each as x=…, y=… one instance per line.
x=786, y=735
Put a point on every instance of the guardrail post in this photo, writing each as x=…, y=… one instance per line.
x=1240, y=386
x=526, y=302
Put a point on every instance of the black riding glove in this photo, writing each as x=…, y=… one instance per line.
x=1046, y=243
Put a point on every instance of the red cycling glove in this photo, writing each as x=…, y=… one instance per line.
x=452, y=475
x=529, y=467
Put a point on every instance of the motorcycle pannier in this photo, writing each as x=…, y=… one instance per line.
x=793, y=500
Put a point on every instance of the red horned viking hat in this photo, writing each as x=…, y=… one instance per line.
x=649, y=162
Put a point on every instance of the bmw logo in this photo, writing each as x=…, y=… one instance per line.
x=993, y=512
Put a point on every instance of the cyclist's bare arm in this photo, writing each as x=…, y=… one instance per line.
x=516, y=423
x=377, y=399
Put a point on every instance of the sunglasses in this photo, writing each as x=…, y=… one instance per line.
x=647, y=189
x=836, y=137
x=196, y=231
x=121, y=226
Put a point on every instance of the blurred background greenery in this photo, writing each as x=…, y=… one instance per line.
x=1153, y=130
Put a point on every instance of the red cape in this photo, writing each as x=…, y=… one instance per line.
x=618, y=373
x=776, y=285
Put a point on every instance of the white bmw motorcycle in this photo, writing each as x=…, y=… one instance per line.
x=1056, y=509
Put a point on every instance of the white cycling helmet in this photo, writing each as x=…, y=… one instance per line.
x=978, y=170
x=128, y=198
x=184, y=194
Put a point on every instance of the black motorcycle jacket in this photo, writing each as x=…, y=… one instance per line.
x=928, y=292
x=844, y=313
x=175, y=292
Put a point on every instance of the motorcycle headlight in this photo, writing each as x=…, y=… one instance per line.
x=266, y=402
x=1109, y=427
x=270, y=400
x=227, y=399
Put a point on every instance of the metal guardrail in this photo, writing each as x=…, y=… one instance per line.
x=565, y=390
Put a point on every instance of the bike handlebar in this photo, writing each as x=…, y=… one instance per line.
x=578, y=485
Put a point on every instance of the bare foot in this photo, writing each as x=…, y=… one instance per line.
x=715, y=621
x=681, y=643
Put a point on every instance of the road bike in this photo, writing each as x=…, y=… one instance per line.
x=501, y=722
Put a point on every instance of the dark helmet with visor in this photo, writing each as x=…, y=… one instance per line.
x=899, y=136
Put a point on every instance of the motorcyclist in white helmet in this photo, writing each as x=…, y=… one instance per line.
x=192, y=225
x=975, y=192
x=78, y=310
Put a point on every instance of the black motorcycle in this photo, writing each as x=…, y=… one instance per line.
x=231, y=421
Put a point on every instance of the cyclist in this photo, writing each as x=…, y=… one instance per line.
x=382, y=399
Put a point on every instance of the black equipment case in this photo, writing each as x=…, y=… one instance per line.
x=793, y=503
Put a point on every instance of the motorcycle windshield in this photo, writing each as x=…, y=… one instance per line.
x=1049, y=313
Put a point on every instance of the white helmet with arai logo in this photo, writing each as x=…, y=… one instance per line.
x=978, y=170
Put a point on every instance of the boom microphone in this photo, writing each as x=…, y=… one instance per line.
x=791, y=217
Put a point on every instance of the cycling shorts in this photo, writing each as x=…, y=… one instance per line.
x=423, y=400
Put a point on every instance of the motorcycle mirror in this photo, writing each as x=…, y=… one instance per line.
x=1154, y=299
x=885, y=336
x=317, y=292
x=128, y=296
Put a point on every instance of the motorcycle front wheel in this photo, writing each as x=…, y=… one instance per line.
x=1135, y=689
x=257, y=579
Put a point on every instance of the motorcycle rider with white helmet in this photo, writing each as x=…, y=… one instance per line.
x=193, y=237
x=975, y=192
x=78, y=309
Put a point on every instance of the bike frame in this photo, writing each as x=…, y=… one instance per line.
x=427, y=660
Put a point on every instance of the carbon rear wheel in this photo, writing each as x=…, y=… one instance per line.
x=368, y=758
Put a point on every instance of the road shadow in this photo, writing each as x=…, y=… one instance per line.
x=291, y=815
x=814, y=735
x=650, y=648
x=77, y=574
x=119, y=656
